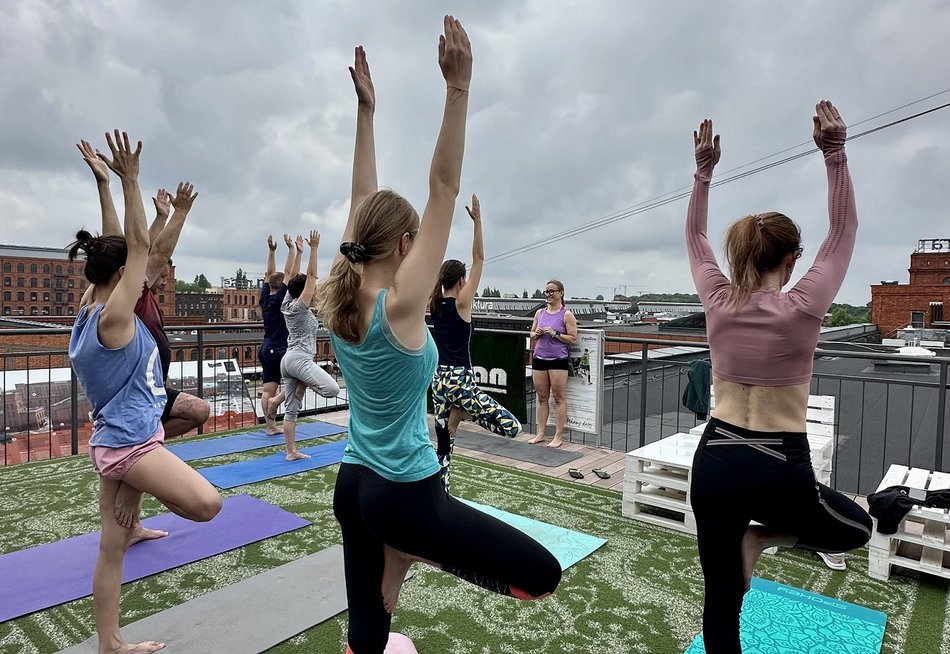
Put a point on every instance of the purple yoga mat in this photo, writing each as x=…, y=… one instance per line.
x=40, y=577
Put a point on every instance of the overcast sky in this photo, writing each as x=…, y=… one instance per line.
x=578, y=110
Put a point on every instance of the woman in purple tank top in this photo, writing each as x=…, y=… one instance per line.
x=554, y=329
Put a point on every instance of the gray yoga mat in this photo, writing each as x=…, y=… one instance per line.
x=519, y=450
x=250, y=616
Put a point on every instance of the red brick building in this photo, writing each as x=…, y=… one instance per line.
x=39, y=281
x=240, y=305
x=919, y=303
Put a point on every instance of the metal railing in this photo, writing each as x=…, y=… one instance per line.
x=45, y=414
x=888, y=408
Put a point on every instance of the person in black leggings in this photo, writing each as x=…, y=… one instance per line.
x=753, y=461
x=388, y=499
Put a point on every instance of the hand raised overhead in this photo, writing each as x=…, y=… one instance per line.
x=163, y=202
x=359, y=71
x=299, y=242
x=125, y=161
x=455, y=55
x=271, y=243
x=830, y=132
x=706, y=145
x=184, y=197
x=314, y=239
x=99, y=168
x=288, y=241
x=475, y=212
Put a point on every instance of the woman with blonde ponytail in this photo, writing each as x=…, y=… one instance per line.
x=388, y=499
x=753, y=462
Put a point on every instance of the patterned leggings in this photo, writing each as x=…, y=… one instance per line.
x=454, y=386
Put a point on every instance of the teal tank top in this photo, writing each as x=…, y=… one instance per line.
x=386, y=384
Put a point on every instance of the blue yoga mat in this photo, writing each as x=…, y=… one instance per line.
x=276, y=465
x=567, y=546
x=40, y=577
x=780, y=619
x=254, y=440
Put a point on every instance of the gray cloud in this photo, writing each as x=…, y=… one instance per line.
x=578, y=111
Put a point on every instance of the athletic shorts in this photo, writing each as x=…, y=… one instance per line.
x=549, y=364
x=171, y=394
x=270, y=358
x=115, y=462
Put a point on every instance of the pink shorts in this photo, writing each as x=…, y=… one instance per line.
x=115, y=462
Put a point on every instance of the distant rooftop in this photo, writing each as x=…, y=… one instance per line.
x=32, y=251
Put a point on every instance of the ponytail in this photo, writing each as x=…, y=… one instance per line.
x=755, y=245
x=104, y=255
x=451, y=271
x=379, y=223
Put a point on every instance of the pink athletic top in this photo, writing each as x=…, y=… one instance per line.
x=770, y=340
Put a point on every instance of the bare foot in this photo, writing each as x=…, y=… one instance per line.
x=537, y=439
x=555, y=442
x=141, y=533
x=297, y=454
x=140, y=648
x=455, y=417
x=128, y=505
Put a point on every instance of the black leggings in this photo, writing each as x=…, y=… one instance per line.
x=739, y=476
x=421, y=519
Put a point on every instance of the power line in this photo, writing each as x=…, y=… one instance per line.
x=684, y=192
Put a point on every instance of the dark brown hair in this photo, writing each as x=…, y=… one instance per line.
x=450, y=273
x=104, y=255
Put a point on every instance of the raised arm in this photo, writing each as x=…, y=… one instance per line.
x=298, y=253
x=271, y=257
x=707, y=275
x=291, y=258
x=418, y=272
x=163, y=204
x=817, y=288
x=110, y=218
x=164, y=245
x=467, y=294
x=117, y=325
x=306, y=295
x=364, y=157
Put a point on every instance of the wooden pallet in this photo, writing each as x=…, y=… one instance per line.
x=922, y=532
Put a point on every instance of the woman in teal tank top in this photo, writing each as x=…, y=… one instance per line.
x=388, y=498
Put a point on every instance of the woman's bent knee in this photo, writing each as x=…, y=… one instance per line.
x=206, y=507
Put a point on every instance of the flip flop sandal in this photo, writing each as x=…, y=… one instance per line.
x=601, y=473
x=575, y=473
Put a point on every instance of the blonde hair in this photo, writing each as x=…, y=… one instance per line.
x=756, y=245
x=379, y=223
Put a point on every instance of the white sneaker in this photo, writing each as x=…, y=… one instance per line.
x=835, y=561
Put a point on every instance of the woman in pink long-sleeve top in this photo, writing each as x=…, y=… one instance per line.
x=753, y=462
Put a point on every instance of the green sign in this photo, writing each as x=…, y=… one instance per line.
x=498, y=363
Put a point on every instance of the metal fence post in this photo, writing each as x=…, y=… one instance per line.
x=201, y=376
x=73, y=411
x=643, y=393
x=941, y=414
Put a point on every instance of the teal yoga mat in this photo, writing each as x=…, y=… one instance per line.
x=252, y=440
x=780, y=619
x=276, y=465
x=567, y=546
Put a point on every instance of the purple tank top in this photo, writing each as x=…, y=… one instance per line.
x=547, y=346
